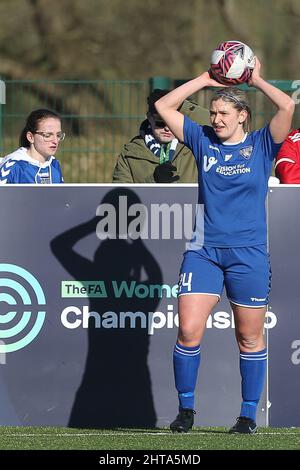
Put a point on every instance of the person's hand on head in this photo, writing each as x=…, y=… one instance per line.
x=164, y=173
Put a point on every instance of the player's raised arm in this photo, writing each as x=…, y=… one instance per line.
x=281, y=122
x=168, y=105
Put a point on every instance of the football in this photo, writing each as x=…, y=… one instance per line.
x=232, y=63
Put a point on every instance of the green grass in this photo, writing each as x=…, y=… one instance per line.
x=50, y=438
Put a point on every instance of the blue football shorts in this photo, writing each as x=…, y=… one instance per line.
x=245, y=272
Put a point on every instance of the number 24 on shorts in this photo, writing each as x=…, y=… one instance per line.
x=185, y=280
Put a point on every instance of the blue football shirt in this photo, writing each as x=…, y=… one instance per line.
x=233, y=184
x=19, y=168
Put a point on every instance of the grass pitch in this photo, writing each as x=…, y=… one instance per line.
x=210, y=438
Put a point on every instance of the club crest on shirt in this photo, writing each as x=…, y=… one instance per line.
x=246, y=152
x=43, y=178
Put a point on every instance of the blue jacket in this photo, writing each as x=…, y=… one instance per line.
x=19, y=168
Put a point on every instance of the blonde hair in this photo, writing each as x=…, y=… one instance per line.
x=239, y=100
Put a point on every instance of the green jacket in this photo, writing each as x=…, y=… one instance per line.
x=136, y=163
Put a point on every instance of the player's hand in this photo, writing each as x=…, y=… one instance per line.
x=211, y=81
x=255, y=73
x=164, y=173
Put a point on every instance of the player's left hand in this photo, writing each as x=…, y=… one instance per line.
x=255, y=73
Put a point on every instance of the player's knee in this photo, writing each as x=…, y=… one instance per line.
x=188, y=336
x=250, y=343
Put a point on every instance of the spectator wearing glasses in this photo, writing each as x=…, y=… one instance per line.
x=155, y=155
x=34, y=161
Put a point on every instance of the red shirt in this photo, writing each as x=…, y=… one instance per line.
x=287, y=167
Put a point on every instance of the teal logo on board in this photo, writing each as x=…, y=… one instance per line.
x=21, y=314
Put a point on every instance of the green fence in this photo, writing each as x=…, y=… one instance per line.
x=99, y=116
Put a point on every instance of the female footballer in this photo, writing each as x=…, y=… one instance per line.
x=233, y=170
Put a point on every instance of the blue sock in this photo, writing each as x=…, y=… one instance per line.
x=253, y=371
x=186, y=362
